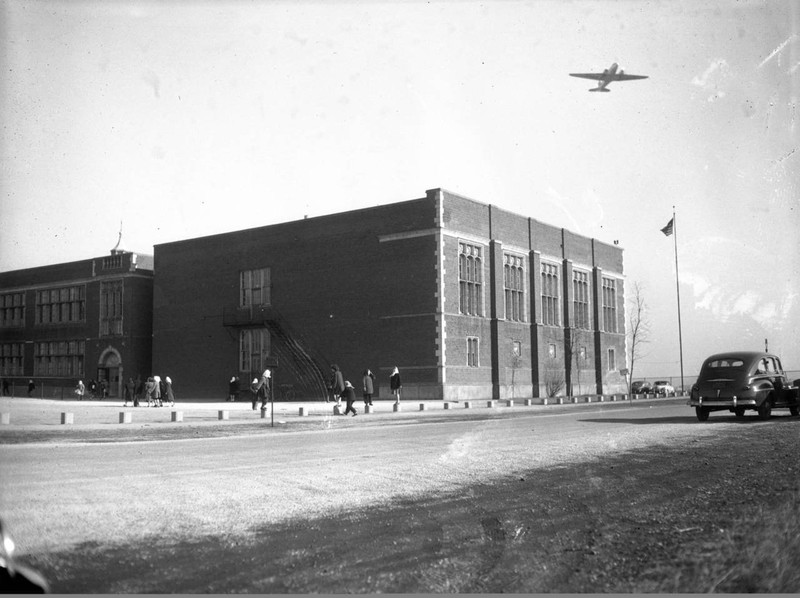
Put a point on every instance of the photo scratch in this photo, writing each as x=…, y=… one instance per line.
x=777, y=50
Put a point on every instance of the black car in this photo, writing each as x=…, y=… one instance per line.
x=743, y=380
x=641, y=387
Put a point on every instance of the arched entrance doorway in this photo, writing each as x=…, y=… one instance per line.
x=109, y=371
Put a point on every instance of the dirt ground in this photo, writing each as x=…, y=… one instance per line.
x=716, y=514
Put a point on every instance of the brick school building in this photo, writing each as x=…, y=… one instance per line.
x=466, y=299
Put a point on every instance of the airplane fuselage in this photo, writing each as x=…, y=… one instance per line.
x=607, y=76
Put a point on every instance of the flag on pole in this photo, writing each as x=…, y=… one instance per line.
x=667, y=230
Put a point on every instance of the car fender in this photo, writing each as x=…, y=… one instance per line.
x=763, y=389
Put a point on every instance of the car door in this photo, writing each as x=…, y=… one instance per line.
x=779, y=380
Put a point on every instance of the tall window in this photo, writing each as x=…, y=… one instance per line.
x=254, y=287
x=612, y=360
x=472, y=352
x=514, y=280
x=59, y=358
x=580, y=299
x=470, y=277
x=67, y=304
x=11, y=359
x=111, y=308
x=254, y=348
x=12, y=310
x=550, y=295
x=609, y=305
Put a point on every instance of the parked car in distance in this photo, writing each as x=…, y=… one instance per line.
x=662, y=387
x=741, y=381
x=641, y=387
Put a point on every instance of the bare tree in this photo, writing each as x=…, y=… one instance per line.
x=638, y=328
x=516, y=363
x=575, y=347
x=554, y=378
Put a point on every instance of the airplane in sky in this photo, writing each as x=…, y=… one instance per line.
x=607, y=76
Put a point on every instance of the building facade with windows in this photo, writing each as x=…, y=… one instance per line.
x=466, y=299
x=83, y=320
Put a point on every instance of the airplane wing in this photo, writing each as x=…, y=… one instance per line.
x=593, y=76
x=623, y=77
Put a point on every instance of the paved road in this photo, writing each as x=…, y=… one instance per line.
x=55, y=495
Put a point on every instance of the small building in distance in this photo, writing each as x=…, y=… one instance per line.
x=466, y=299
x=84, y=320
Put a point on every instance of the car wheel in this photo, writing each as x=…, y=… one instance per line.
x=765, y=408
x=739, y=411
x=794, y=410
x=702, y=413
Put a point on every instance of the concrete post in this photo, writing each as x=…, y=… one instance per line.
x=67, y=418
x=177, y=416
x=223, y=414
x=125, y=417
x=5, y=418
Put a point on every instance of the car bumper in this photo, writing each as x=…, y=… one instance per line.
x=725, y=402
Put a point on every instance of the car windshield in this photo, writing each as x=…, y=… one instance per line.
x=661, y=382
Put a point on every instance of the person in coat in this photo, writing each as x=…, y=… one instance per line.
x=169, y=395
x=395, y=385
x=336, y=384
x=138, y=390
x=368, y=383
x=254, y=393
x=233, y=388
x=349, y=395
x=130, y=388
x=263, y=390
x=80, y=390
x=149, y=389
x=157, y=392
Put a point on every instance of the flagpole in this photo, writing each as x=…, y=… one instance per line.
x=678, y=290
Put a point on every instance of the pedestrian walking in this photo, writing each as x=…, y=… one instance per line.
x=254, y=393
x=6, y=390
x=138, y=390
x=169, y=395
x=395, y=384
x=336, y=384
x=31, y=387
x=349, y=395
x=130, y=388
x=92, y=388
x=103, y=389
x=149, y=389
x=263, y=390
x=80, y=390
x=368, y=383
x=157, y=391
x=233, y=388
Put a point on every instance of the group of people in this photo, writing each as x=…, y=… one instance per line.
x=260, y=388
x=155, y=391
x=339, y=388
x=92, y=390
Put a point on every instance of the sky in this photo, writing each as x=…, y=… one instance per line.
x=174, y=120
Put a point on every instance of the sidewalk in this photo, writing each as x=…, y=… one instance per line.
x=28, y=412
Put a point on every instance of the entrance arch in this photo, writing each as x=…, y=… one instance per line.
x=109, y=368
